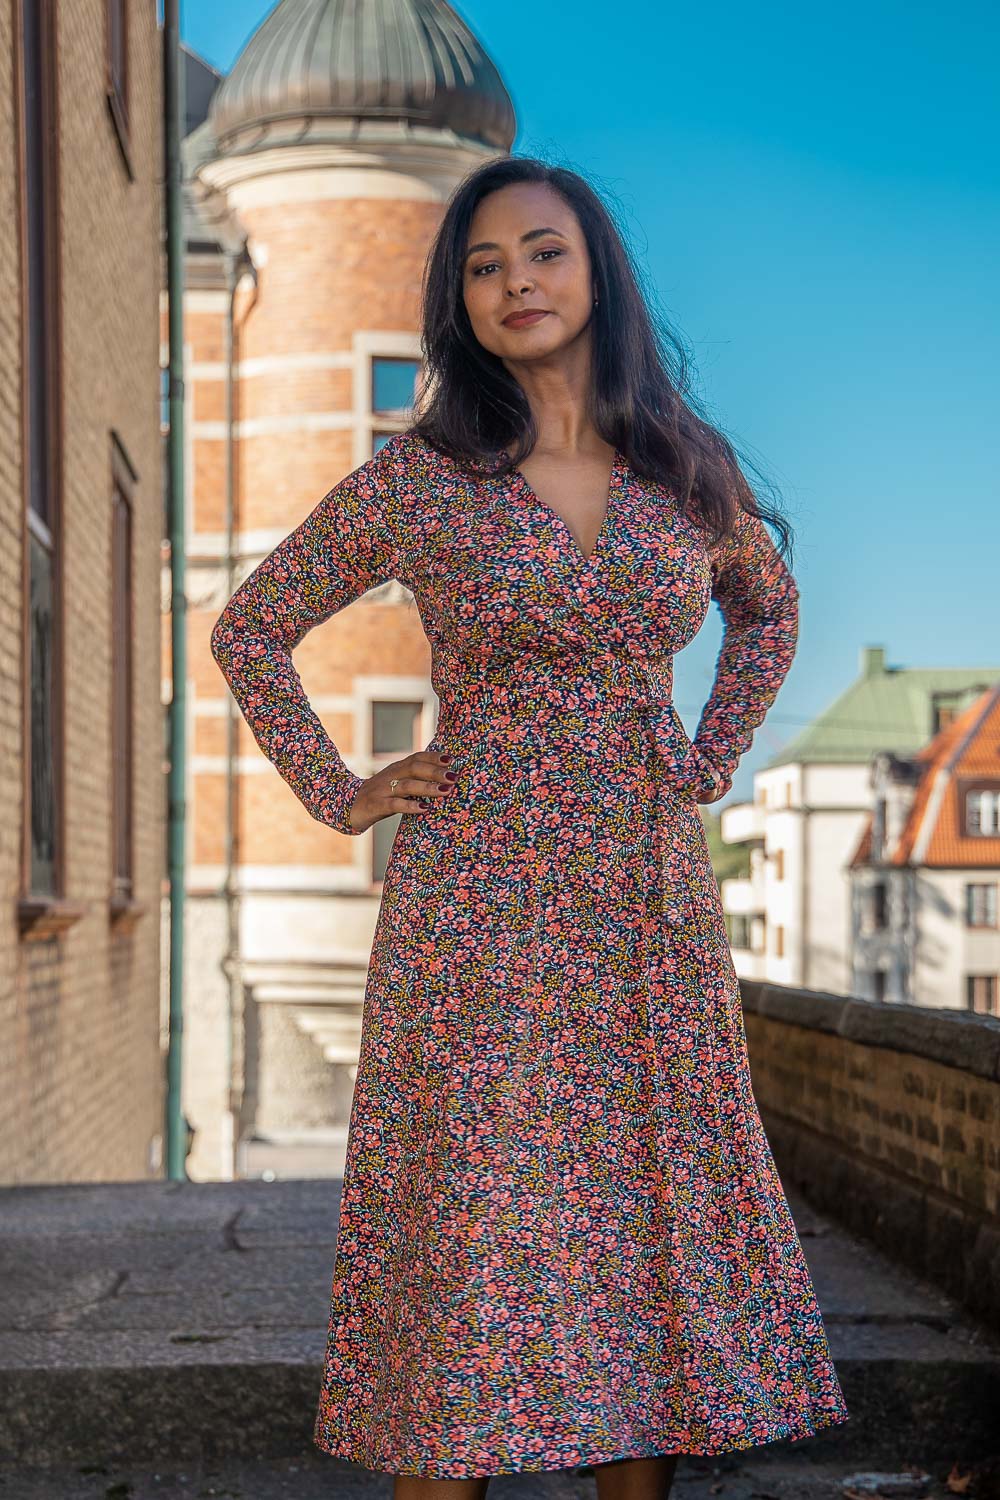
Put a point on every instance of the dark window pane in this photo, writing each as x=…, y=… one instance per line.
x=981, y=905
x=42, y=812
x=880, y=905
x=878, y=827
x=38, y=323
x=117, y=41
x=394, y=727
x=379, y=440
x=393, y=382
x=981, y=993
x=121, y=694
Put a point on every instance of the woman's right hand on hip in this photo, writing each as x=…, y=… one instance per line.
x=423, y=774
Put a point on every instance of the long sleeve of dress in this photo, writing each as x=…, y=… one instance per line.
x=758, y=597
x=342, y=549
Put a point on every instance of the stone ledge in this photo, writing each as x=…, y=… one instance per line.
x=956, y=1038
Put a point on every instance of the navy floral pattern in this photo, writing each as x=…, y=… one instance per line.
x=563, y=1239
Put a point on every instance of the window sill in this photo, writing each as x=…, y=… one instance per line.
x=124, y=912
x=41, y=917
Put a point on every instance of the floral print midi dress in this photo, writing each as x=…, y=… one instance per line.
x=562, y=1238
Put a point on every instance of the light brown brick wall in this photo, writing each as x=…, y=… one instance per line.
x=331, y=268
x=81, y=1093
x=336, y=265
x=12, y=1097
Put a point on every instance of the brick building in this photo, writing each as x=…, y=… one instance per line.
x=81, y=735
x=315, y=179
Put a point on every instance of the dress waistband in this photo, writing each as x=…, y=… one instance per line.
x=642, y=683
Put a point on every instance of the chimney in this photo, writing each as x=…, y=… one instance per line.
x=872, y=660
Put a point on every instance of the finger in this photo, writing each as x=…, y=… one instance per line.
x=433, y=779
x=407, y=805
x=439, y=757
x=430, y=767
x=424, y=784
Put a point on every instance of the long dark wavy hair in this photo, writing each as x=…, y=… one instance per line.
x=472, y=408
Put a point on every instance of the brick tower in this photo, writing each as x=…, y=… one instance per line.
x=315, y=175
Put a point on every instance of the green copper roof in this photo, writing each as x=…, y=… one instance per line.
x=887, y=708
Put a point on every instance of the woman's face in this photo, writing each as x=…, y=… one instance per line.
x=526, y=251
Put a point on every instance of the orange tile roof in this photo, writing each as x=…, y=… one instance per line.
x=966, y=749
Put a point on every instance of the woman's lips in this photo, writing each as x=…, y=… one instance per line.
x=524, y=320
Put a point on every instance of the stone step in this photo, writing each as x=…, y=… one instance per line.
x=147, y=1322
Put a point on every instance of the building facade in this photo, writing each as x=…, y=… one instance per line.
x=792, y=919
x=81, y=745
x=926, y=873
x=315, y=182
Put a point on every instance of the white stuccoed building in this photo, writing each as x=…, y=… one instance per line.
x=790, y=920
x=924, y=877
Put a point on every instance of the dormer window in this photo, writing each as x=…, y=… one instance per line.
x=982, y=812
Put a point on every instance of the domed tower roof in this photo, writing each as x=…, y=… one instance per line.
x=413, y=63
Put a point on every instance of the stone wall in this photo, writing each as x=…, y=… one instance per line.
x=888, y=1117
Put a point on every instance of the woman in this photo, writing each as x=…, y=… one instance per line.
x=562, y=1237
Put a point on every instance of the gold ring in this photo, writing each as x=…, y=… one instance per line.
x=394, y=783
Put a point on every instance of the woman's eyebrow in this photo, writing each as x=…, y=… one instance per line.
x=532, y=234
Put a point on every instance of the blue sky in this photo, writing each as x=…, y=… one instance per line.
x=813, y=192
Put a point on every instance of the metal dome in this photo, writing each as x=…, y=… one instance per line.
x=411, y=61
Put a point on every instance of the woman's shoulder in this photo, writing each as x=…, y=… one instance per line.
x=402, y=459
x=400, y=447
x=409, y=460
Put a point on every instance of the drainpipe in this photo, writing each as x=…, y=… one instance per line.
x=237, y=262
x=176, y=1128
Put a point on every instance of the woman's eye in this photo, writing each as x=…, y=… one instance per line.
x=490, y=264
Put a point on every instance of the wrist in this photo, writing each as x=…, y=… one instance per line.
x=337, y=813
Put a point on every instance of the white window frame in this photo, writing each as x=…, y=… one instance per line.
x=368, y=345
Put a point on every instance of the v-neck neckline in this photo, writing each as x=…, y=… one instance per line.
x=582, y=560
